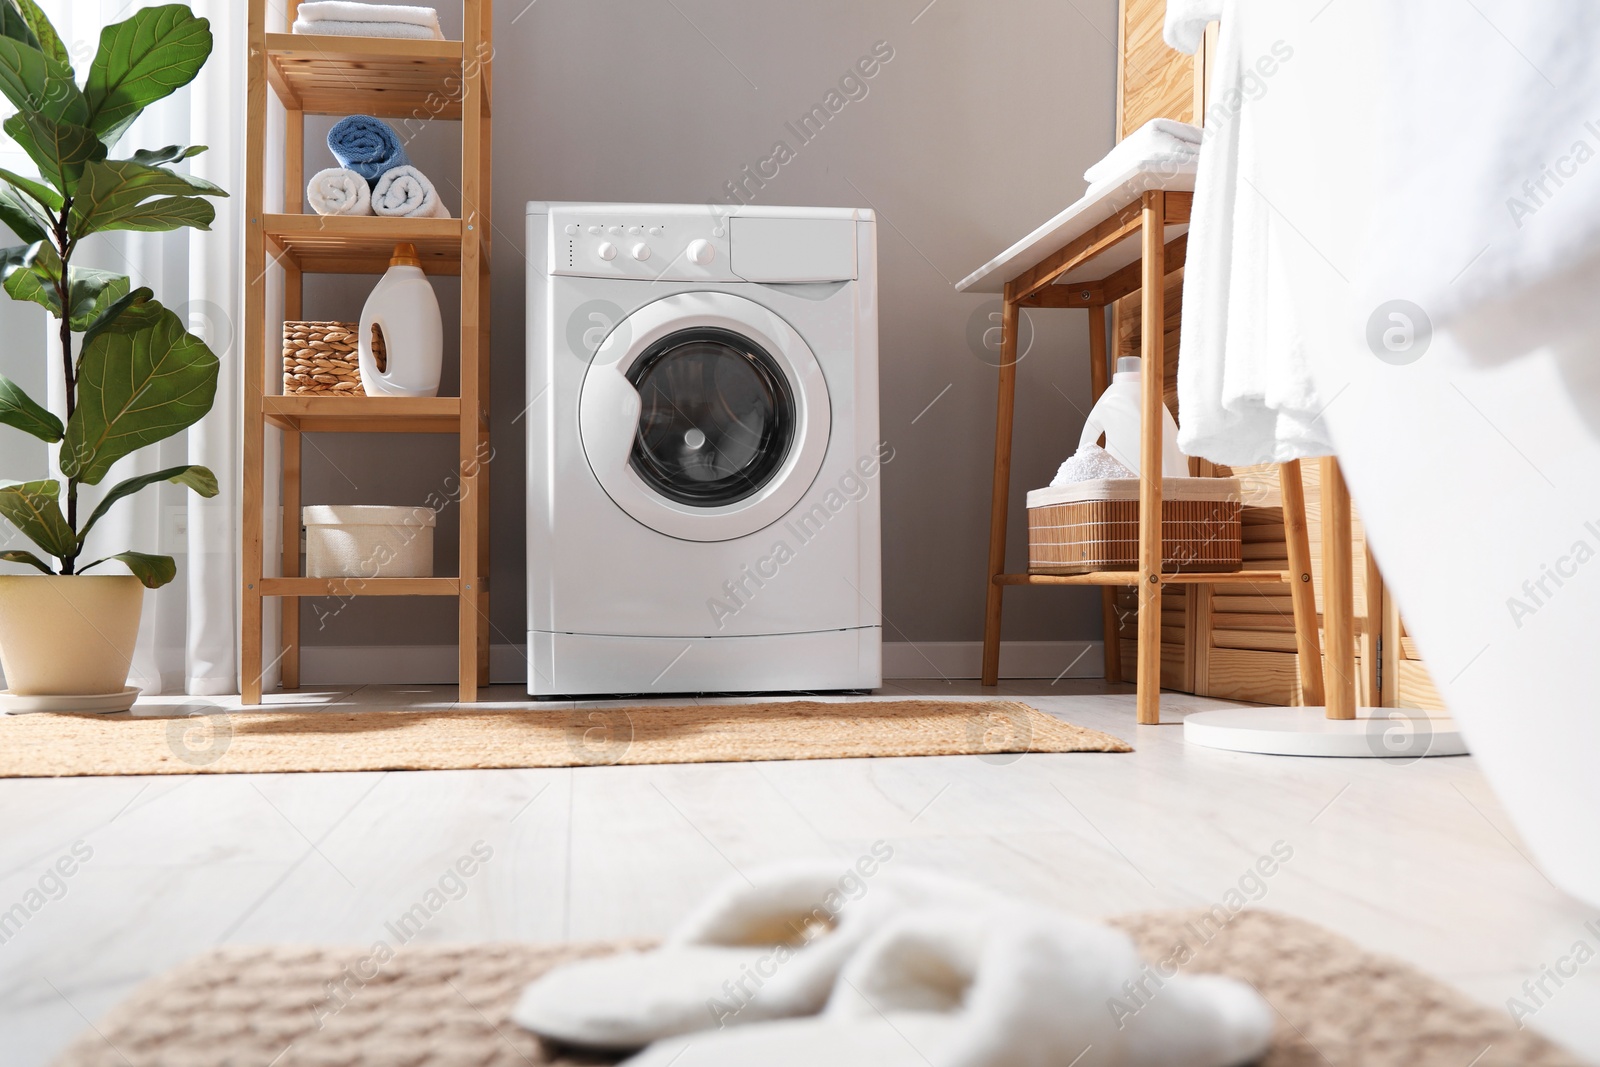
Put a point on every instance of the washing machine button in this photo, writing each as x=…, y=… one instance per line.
x=640, y=251
x=572, y=229
x=606, y=251
x=701, y=252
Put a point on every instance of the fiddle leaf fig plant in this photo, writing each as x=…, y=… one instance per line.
x=134, y=374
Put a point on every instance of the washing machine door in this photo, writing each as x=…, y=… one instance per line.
x=705, y=416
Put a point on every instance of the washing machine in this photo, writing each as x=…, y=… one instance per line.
x=704, y=461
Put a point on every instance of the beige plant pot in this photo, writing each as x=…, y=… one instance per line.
x=68, y=635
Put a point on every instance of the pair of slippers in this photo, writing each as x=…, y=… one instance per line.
x=807, y=965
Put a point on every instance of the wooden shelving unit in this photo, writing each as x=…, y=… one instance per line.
x=416, y=82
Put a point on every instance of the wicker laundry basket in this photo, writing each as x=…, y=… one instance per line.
x=319, y=358
x=1094, y=526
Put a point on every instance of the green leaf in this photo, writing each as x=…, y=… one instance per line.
x=14, y=26
x=58, y=149
x=89, y=291
x=19, y=215
x=142, y=59
x=19, y=409
x=33, y=278
x=17, y=555
x=140, y=297
x=115, y=195
x=153, y=571
x=143, y=378
x=197, y=478
x=151, y=157
x=34, y=508
x=49, y=42
x=46, y=196
x=36, y=84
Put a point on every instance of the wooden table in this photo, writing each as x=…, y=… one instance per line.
x=1125, y=239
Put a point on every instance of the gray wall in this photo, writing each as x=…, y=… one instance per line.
x=975, y=131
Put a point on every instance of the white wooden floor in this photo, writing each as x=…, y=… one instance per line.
x=1416, y=860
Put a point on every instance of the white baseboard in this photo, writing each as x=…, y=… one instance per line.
x=1018, y=659
x=436, y=664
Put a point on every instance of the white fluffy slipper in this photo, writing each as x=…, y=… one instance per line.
x=1011, y=986
x=767, y=948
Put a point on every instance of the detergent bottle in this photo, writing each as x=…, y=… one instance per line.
x=1116, y=414
x=403, y=314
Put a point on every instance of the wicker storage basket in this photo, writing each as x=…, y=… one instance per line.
x=319, y=358
x=1094, y=526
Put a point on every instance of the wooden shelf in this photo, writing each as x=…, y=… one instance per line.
x=364, y=414
x=1132, y=578
x=348, y=587
x=362, y=244
x=410, y=83
x=415, y=80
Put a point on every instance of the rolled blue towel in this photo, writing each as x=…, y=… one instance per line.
x=367, y=146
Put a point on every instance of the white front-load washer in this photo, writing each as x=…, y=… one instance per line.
x=704, y=465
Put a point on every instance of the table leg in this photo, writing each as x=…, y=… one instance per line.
x=1152, y=328
x=1005, y=411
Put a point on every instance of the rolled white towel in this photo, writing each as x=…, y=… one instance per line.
x=333, y=28
x=337, y=191
x=349, y=11
x=1157, y=141
x=407, y=192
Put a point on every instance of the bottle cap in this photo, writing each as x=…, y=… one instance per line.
x=405, y=255
x=1129, y=364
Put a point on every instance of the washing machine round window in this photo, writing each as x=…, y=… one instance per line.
x=716, y=418
x=705, y=416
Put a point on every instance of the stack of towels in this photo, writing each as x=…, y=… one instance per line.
x=1158, y=143
x=374, y=175
x=341, y=18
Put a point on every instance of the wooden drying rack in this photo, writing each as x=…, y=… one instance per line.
x=1147, y=219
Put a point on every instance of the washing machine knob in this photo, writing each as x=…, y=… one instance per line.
x=640, y=251
x=606, y=251
x=701, y=252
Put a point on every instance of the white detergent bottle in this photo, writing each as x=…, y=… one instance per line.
x=1116, y=414
x=403, y=311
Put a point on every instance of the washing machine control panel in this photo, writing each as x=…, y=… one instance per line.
x=601, y=244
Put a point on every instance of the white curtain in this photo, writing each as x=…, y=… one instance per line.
x=188, y=640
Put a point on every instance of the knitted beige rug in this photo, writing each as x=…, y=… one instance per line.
x=45, y=745
x=433, y=1006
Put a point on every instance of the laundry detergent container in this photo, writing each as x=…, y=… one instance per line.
x=368, y=541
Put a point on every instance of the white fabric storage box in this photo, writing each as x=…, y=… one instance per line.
x=368, y=541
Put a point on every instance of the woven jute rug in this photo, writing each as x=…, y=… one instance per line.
x=445, y=1006
x=44, y=746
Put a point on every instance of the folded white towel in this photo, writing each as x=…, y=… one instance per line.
x=1157, y=141
x=1187, y=20
x=406, y=191
x=402, y=30
x=348, y=11
x=337, y=191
